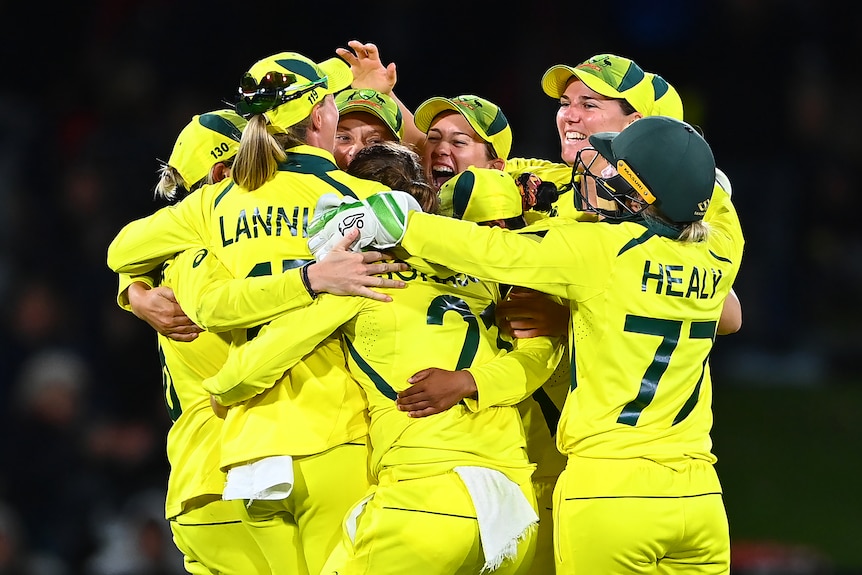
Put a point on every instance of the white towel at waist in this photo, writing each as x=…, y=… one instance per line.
x=504, y=514
x=270, y=478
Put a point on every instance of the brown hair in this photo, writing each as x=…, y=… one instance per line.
x=397, y=166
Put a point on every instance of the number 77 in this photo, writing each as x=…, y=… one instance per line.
x=669, y=331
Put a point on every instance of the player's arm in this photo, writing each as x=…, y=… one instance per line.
x=146, y=242
x=505, y=256
x=506, y=380
x=219, y=302
x=157, y=306
x=256, y=365
x=369, y=72
x=527, y=313
x=731, y=315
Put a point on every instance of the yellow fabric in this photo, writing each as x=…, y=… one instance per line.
x=665, y=520
x=405, y=522
x=256, y=234
x=214, y=540
x=600, y=269
x=325, y=486
x=217, y=301
x=206, y=139
x=480, y=195
x=335, y=70
x=126, y=280
x=381, y=338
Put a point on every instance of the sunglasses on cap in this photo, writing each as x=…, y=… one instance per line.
x=273, y=89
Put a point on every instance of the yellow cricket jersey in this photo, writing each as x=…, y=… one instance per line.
x=195, y=434
x=644, y=313
x=317, y=405
x=444, y=322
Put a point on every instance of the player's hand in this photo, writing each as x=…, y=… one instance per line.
x=345, y=272
x=368, y=70
x=381, y=220
x=527, y=313
x=435, y=390
x=159, y=308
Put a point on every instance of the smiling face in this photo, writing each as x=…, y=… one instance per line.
x=357, y=130
x=583, y=113
x=452, y=146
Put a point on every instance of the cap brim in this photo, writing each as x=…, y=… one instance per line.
x=338, y=74
x=428, y=110
x=360, y=107
x=556, y=79
x=603, y=143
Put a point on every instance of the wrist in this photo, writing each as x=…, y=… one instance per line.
x=306, y=281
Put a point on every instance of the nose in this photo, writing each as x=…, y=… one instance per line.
x=441, y=149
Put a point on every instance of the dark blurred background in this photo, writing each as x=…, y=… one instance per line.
x=95, y=92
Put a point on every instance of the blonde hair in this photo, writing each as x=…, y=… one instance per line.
x=171, y=184
x=683, y=232
x=260, y=152
x=695, y=232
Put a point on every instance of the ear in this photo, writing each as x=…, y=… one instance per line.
x=497, y=164
x=219, y=172
x=317, y=115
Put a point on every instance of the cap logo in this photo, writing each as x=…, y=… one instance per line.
x=634, y=180
x=492, y=125
x=591, y=66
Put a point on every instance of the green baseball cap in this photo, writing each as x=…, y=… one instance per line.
x=667, y=161
x=287, y=86
x=607, y=74
x=375, y=103
x=209, y=138
x=480, y=195
x=483, y=116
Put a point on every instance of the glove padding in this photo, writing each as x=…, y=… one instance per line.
x=381, y=220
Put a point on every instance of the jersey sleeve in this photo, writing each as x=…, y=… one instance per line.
x=725, y=228
x=144, y=243
x=509, y=379
x=553, y=263
x=557, y=172
x=257, y=364
x=217, y=301
x=127, y=280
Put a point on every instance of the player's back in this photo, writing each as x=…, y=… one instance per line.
x=643, y=381
x=263, y=232
x=195, y=434
x=446, y=323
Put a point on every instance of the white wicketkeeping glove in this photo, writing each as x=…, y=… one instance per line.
x=381, y=220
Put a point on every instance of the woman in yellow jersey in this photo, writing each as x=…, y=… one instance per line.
x=454, y=493
x=294, y=461
x=208, y=531
x=640, y=493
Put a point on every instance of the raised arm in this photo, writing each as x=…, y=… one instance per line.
x=369, y=72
